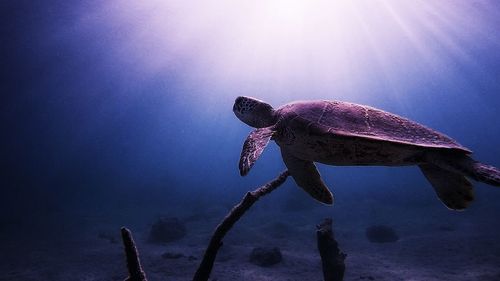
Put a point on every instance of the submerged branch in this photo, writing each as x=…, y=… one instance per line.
x=332, y=259
x=206, y=265
x=133, y=264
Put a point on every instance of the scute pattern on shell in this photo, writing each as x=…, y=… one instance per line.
x=349, y=119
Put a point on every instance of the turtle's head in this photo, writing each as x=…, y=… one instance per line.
x=254, y=112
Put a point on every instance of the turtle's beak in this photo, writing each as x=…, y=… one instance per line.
x=237, y=105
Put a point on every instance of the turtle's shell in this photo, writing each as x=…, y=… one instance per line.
x=354, y=120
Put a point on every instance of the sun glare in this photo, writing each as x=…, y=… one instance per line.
x=298, y=46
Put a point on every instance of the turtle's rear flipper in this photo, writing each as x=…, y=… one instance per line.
x=453, y=189
x=307, y=177
x=465, y=165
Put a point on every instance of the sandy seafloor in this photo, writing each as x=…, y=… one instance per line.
x=435, y=243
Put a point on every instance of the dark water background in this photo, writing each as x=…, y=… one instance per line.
x=93, y=129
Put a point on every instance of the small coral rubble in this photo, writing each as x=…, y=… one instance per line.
x=381, y=234
x=265, y=256
x=167, y=229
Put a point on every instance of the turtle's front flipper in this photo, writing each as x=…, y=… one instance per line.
x=253, y=147
x=453, y=189
x=307, y=177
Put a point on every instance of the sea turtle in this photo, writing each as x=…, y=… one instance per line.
x=343, y=133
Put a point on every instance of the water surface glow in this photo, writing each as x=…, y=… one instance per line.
x=304, y=49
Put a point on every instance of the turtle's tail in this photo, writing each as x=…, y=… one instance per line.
x=483, y=173
x=465, y=165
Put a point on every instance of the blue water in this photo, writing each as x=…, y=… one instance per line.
x=115, y=113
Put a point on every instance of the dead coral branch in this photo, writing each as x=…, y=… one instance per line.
x=133, y=264
x=332, y=259
x=206, y=265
